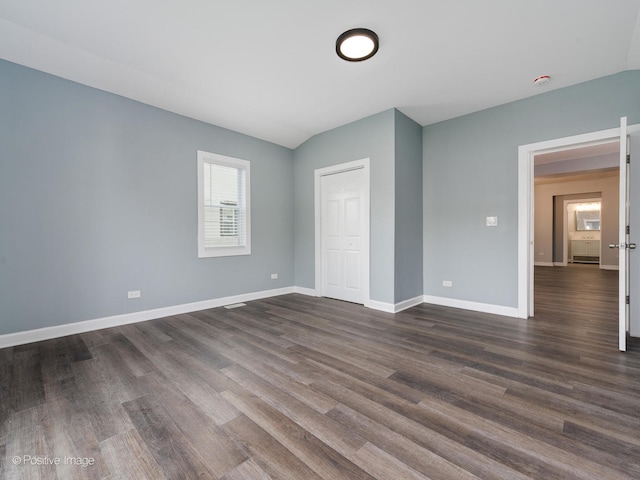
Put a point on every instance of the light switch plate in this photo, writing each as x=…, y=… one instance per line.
x=492, y=221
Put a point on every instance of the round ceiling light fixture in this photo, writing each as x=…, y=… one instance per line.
x=357, y=44
x=542, y=80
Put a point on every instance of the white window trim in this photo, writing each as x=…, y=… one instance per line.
x=222, y=251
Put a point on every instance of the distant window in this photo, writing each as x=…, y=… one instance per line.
x=223, y=206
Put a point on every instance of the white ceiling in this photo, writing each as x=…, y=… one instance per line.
x=269, y=68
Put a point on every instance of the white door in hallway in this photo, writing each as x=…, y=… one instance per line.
x=342, y=235
x=627, y=316
x=634, y=222
x=623, y=259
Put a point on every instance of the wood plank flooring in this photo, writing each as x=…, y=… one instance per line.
x=301, y=388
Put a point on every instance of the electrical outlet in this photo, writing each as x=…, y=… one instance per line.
x=447, y=283
x=133, y=294
x=274, y=276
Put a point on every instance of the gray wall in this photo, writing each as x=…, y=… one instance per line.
x=470, y=171
x=372, y=137
x=408, y=208
x=98, y=197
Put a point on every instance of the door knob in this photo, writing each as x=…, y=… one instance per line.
x=630, y=246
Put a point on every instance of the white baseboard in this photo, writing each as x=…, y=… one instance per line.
x=559, y=264
x=374, y=304
x=475, y=306
x=394, y=308
x=37, y=335
x=411, y=302
x=381, y=306
x=30, y=336
x=543, y=264
x=312, y=292
x=609, y=267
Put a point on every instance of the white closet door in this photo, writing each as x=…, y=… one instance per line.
x=342, y=235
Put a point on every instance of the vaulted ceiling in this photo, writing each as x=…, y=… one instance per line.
x=269, y=68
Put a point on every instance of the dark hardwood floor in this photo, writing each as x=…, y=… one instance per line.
x=301, y=388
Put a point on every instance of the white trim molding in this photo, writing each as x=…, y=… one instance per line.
x=47, y=333
x=410, y=302
x=311, y=292
x=395, y=308
x=381, y=306
x=475, y=306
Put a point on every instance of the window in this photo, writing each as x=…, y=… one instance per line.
x=223, y=206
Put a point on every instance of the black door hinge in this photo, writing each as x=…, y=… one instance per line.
x=627, y=299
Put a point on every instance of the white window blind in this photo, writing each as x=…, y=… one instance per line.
x=223, y=185
x=224, y=209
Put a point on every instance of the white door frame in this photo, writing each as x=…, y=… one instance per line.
x=526, y=154
x=333, y=169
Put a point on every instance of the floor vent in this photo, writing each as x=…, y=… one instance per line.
x=235, y=305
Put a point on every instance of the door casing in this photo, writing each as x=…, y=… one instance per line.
x=526, y=154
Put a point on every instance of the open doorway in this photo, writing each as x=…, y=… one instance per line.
x=556, y=158
x=628, y=264
x=576, y=203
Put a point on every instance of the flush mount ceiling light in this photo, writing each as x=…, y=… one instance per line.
x=357, y=45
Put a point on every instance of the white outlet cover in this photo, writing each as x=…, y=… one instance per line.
x=492, y=221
